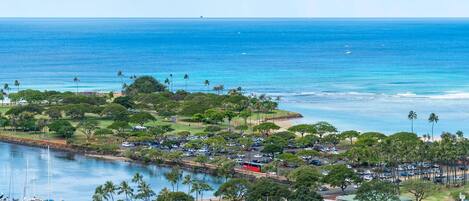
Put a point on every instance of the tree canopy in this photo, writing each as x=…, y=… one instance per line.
x=144, y=84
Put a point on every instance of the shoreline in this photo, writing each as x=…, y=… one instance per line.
x=185, y=164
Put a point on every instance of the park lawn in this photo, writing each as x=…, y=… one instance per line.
x=4, y=109
x=179, y=126
x=443, y=194
x=31, y=136
x=255, y=118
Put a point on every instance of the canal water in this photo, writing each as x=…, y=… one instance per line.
x=74, y=177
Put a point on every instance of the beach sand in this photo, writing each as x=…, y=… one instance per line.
x=284, y=124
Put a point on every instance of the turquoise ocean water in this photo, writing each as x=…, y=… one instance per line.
x=363, y=74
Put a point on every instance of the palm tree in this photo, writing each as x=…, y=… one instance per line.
x=99, y=194
x=2, y=96
x=138, y=178
x=124, y=86
x=6, y=87
x=174, y=177
x=412, y=116
x=120, y=75
x=207, y=84
x=187, y=181
x=17, y=84
x=167, y=82
x=218, y=89
x=144, y=191
x=76, y=80
x=171, y=80
x=199, y=187
x=109, y=189
x=124, y=188
x=186, y=78
x=433, y=119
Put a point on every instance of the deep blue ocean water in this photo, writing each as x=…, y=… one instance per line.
x=363, y=74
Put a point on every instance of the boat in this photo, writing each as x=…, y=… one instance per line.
x=34, y=198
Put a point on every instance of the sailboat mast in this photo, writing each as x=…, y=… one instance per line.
x=9, y=183
x=48, y=173
x=26, y=179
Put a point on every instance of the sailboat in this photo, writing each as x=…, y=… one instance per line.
x=49, y=188
x=34, y=198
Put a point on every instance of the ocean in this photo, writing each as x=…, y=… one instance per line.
x=361, y=74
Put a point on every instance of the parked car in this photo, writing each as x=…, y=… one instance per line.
x=315, y=162
x=128, y=144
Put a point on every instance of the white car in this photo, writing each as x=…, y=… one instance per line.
x=368, y=177
x=128, y=144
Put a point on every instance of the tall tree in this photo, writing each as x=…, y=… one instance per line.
x=233, y=190
x=433, y=119
x=174, y=176
x=245, y=114
x=171, y=81
x=412, y=116
x=141, y=118
x=188, y=181
x=303, y=129
x=207, y=84
x=110, y=189
x=186, y=78
x=76, y=80
x=341, y=176
x=377, y=190
x=2, y=96
x=265, y=128
x=265, y=189
x=120, y=75
x=350, y=135
x=144, y=191
x=420, y=189
x=168, y=83
x=88, y=127
x=6, y=87
x=124, y=188
x=145, y=85
x=323, y=128
x=199, y=187
x=17, y=84
x=219, y=89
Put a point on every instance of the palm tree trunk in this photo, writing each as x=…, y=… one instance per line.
x=412, y=125
x=432, y=130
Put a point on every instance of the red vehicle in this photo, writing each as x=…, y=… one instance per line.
x=255, y=167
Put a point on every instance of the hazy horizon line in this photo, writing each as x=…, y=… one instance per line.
x=204, y=17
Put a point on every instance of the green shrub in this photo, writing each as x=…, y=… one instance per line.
x=212, y=129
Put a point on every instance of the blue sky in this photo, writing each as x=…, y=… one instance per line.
x=234, y=8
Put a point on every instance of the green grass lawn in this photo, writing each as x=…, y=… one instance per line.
x=3, y=109
x=32, y=136
x=444, y=194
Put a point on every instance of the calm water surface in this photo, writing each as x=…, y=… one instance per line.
x=74, y=177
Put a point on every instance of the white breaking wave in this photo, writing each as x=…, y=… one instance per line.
x=451, y=96
x=448, y=95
